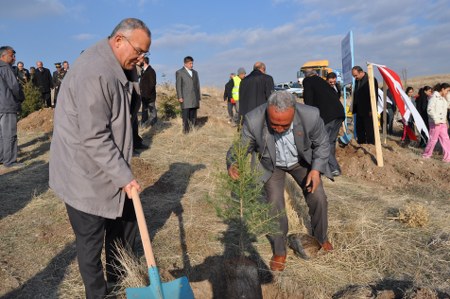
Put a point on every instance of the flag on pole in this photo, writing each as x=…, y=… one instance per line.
x=380, y=102
x=403, y=102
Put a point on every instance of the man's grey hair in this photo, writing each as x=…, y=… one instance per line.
x=281, y=100
x=128, y=25
x=4, y=50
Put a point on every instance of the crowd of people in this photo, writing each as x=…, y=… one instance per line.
x=294, y=138
x=42, y=78
x=433, y=106
x=96, y=132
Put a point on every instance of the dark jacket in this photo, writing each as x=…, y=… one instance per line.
x=318, y=93
x=148, y=85
x=310, y=137
x=228, y=92
x=43, y=80
x=338, y=91
x=254, y=91
x=361, y=97
x=23, y=76
x=11, y=94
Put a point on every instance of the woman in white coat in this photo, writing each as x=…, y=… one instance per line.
x=437, y=117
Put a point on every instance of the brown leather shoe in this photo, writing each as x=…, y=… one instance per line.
x=326, y=246
x=278, y=262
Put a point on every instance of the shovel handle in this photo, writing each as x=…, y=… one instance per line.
x=145, y=237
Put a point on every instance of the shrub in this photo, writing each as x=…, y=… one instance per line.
x=32, y=100
x=168, y=107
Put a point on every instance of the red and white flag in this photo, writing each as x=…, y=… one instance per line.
x=402, y=101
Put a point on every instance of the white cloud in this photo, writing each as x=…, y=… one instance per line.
x=32, y=8
x=84, y=36
x=401, y=34
x=412, y=41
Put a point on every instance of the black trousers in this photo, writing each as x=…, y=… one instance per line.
x=364, y=130
x=189, y=116
x=47, y=99
x=91, y=232
x=149, y=112
x=317, y=205
x=332, y=129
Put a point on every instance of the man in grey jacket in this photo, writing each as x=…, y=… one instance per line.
x=289, y=138
x=11, y=96
x=92, y=147
x=188, y=93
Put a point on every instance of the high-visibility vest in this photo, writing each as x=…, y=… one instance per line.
x=235, y=93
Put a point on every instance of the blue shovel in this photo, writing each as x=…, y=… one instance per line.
x=347, y=137
x=176, y=289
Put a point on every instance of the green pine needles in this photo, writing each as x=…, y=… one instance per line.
x=241, y=203
x=32, y=102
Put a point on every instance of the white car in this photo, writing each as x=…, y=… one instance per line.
x=292, y=87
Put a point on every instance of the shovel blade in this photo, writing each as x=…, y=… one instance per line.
x=175, y=289
x=345, y=139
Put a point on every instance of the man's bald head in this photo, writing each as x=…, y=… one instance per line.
x=259, y=66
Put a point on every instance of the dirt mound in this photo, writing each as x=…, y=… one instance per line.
x=38, y=121
x=402, y=166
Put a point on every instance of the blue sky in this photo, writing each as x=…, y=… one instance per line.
x=411, y=35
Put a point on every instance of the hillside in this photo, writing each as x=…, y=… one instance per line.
x=389, y=225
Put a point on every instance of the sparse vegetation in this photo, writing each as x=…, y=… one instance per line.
x=373, y=255
x=33, y=101
x=168, y=105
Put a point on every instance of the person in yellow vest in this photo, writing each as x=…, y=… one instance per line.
x=235, y=91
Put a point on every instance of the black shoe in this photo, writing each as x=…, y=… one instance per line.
x=336, y=173
x=15, y=165
x=141, y=146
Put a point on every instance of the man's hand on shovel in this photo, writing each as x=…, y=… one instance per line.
x=130, y=185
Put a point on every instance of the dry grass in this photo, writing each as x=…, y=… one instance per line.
x=414, y=215
x=178, y=173
x=418, y=82
x=369, y=248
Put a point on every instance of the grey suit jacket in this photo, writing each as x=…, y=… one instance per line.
x=310, y=138
x=91, y=147
x=188, y=88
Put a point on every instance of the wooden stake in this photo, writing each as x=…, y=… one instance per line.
x=373, y=104
x=384, y=112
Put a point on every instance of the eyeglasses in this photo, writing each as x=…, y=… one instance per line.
x=139, y=52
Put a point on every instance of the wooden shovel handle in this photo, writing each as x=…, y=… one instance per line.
x=148, y=251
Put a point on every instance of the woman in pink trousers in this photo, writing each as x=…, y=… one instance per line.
x=437, y=117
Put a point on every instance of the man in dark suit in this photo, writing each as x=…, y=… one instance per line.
x=361, y=106
x=58, y=76
x=318, y=93
x=147, y=85
x=255, y=89
x=288, y=137
x=188, y=93
x=332, y=80
x=44, y=81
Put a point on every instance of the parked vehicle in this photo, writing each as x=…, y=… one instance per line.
x=322, y=69
x=292, y=87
